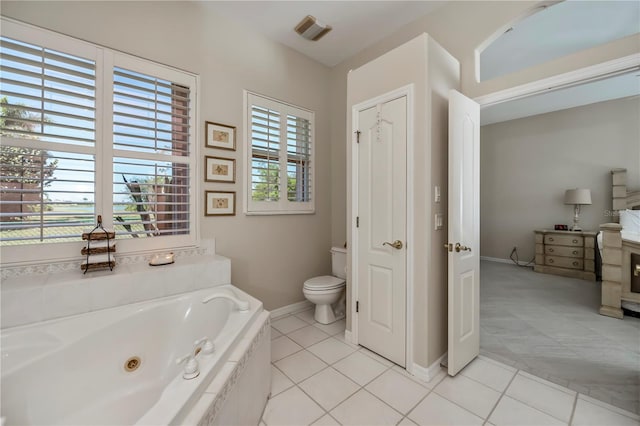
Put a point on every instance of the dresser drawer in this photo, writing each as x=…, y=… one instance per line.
x=564, y=251
x=564, y=262
x=564, y=240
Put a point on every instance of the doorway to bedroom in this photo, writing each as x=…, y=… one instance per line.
x=533, y=150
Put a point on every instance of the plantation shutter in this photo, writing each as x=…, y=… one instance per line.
x=151, y=149
x=265, y=157
x=47, y=152
x=280, y=145
x=298, y=159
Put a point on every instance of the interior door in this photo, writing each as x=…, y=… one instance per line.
x=464, y=232
x=382, y=181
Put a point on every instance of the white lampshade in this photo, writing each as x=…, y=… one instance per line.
x=577, y=196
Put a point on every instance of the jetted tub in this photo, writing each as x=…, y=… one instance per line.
x=118, y=365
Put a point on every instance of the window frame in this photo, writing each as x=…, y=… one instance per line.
x=105, y=61
x=283, y=206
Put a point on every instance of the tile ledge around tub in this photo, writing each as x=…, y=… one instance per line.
x=45, y=269
x=257, y=334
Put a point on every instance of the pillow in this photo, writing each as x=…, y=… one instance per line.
x=630, y=221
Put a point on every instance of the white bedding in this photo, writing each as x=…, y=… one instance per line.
x=626, y=235
x=631, y=236
x=630, y=221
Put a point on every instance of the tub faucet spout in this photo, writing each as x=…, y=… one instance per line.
x=205, y=344
x=242, y=305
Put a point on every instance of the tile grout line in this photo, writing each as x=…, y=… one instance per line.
x=287, y=356
x=531, y=406
x=504, y=392
x=458, y=405
x=573, y=409
x=484, y=384
x=305, y=347
x=360, y=387
x=430, y=391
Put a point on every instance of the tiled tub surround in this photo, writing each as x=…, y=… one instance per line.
x=30, y=297
x=71, y=370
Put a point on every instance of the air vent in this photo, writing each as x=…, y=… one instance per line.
x=312, y=29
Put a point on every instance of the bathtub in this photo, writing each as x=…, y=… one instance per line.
x=118, y=366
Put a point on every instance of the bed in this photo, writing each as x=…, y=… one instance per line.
x=620, y=251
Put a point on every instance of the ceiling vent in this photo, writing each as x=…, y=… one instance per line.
x=312, y=29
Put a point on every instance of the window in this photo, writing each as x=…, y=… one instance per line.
x=86, y=131
x=280, y=147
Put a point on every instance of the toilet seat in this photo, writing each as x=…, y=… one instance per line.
x=325, y=282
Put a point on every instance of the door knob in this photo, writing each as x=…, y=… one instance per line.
x=459, y=247
x=397, y=244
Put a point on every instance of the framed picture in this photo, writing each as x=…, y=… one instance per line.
x=218, y=169
x=220, y=136
x=219, y=203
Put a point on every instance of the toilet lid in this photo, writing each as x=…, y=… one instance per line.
x=324, y=282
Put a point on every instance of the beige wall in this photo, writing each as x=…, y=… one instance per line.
x=460, y=27
x=271, y=255
x=527, y=164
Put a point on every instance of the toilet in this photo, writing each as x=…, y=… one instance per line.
x=327, y=291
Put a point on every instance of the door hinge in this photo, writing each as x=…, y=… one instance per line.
x=357, y=306
x=357, y=132
x=357, y=221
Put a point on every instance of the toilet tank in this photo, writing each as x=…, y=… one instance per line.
x=339, y=262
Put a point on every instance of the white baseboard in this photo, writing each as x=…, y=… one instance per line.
x=498, y=260
x=420, y=372
x=289, y=309
x=348, y=336
x=427, y=374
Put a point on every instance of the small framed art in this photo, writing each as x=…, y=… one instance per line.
x=220, y=136
x=219, y=169
x=219, y=203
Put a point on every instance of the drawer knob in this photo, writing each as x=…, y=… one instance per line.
x=550, y=260
x=575, y=263
x=575, y=252
x=550, y=250
x=551, y=239
x=575, y=241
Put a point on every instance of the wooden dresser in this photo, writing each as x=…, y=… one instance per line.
x=567, y=253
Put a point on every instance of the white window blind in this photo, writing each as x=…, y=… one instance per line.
x=298, y=159
x=151, y=155
x=265, y=156
x=87, y=131
x=48, y=128
x=280, y=157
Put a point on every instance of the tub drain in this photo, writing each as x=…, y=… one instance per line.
x=132, y=364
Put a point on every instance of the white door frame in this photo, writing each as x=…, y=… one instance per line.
x=394, y=94
x=580, y=76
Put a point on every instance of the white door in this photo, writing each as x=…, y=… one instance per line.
x=381, y=257
x=464, y=231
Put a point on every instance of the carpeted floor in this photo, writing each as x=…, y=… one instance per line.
x=549, y=326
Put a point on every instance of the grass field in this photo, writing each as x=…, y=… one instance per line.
x=62, y=228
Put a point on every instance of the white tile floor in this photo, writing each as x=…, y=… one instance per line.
x=319, y=379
